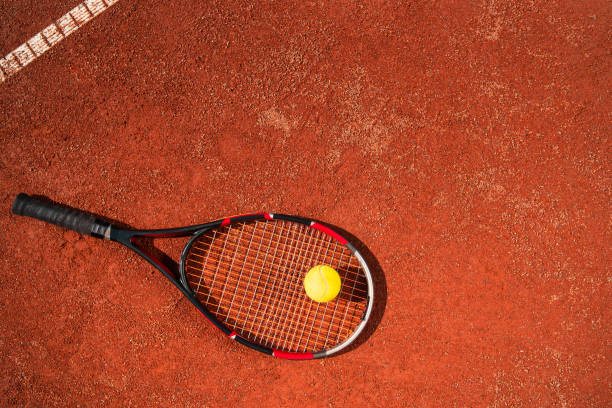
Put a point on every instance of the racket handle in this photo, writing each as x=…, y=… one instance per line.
x=60, y=215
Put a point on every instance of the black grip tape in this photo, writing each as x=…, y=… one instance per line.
x=66, y=217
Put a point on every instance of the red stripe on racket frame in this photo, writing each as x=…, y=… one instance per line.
x=329, y=231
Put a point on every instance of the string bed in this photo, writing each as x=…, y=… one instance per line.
x=250, y=276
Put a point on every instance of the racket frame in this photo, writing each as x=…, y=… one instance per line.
x=89, y=224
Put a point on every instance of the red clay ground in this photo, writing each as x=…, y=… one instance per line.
x=467, y=145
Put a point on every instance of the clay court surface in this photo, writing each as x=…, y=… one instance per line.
x=465, y=144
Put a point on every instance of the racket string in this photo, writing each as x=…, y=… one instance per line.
x=250, y=275
x=276, y=302
x=292, y=295
x=264, y=339
x=259, y=300
x=282, y=303
x=327, y=262
x=345, y=270
x=334, y=312
x=277, y=329
x=322, y=242
x=304, y=298
x=251, y=269
x=196, y=273
x=230, y=268
x=318, y=304
x=205, y=262
x=217, y=270
x=263, y=288
x=317, y=310
x=196, y=267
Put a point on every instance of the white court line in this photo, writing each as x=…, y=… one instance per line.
x=42, y=42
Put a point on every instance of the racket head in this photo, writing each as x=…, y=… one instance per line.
x=247, y=273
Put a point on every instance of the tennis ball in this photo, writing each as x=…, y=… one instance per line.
x=322, y=283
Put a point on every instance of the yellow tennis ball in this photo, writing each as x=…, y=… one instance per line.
x=322, y=283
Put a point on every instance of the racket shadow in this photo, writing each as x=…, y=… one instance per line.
x=380, y=290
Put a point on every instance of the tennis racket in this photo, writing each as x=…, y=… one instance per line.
x=245, y=274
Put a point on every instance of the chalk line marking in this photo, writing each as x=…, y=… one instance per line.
x=42, y=42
